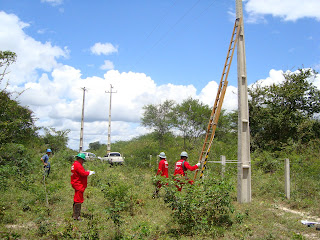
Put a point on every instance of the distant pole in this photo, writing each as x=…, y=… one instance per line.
x=287, y=178
x=82, y=123
x=244, y=165
x=223, y=165
x=150, y=161
x=109, y=127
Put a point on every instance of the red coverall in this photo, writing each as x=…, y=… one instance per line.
x=163, y=170
x=180, y=172
x=78, y=181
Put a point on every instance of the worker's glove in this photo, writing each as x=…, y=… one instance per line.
x=198, y=164
x=91, y=172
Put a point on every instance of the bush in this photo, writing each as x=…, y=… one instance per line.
x=15, y=160
x=18, y=156
x=205, y=207
x=120, y=198
x=266, y=161
x=63, y=158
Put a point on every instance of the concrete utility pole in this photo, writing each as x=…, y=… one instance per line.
x=287, y=178
x=109, y=127
x=244, y=165
x=82, y=117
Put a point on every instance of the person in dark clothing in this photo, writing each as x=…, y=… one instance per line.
x=46, y=163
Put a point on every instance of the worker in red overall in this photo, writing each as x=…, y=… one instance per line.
x=163, y=165
x=162, y=171
x=180, y=170
x=79, y=183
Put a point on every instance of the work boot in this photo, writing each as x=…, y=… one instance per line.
x=77, y=211
x=74, y=211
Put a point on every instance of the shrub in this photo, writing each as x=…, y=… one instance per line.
x=266, y=161
x=16, y=160
x=205, y=206
x=16, y=155
x=120, y=198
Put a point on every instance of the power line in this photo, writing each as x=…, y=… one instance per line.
x=165, y=34
x=161, y=20
x=206, y=9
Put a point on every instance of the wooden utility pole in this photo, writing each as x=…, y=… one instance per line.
x=82, y=121
x=244, y=161
x=109, y=127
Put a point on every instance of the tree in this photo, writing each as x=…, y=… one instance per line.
x=282, y=113
x=227, y=128
x=6, y=59
x=160, y=117
x=56, y=140
x=16, y=121
x=95, y=146
x=191, y=119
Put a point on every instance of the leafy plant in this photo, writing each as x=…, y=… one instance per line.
x=120, y=199
x=285, y=112
x=201, y=207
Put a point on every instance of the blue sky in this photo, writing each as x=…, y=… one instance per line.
x=149, y=50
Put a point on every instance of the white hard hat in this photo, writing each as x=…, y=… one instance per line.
x=184, y=154
x=162, y=155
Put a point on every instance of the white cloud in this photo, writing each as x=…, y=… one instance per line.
x=275, y=77
x=108, y=65
x=288, y=10
x=53, y=2
x=317, y=81
x=32, y=55
x=316, y=67
x=103, y=48
x=209, y=92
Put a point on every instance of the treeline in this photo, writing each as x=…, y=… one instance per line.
x=20, y=141
x=280, y=115
x=284, y=118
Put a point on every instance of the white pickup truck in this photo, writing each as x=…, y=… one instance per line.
x=113, y=158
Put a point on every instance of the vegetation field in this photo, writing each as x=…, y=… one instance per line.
x=119, y=201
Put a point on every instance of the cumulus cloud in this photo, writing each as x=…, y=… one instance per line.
x=317, y=81
x=288, y=10
x=317, y=67
x=209, y=92
x=103, y=48
x=32, y=55
x=108, y=65
x=275, y=77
